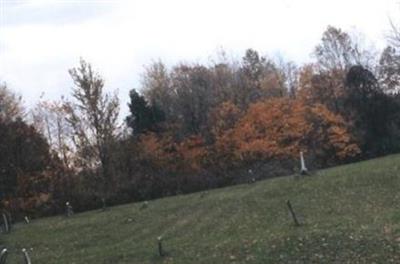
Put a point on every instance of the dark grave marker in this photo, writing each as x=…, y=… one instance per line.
x=292, y=213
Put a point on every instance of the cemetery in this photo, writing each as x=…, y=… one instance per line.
x=345, y=214
x=205, y=132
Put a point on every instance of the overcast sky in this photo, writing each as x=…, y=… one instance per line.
x=41, y=39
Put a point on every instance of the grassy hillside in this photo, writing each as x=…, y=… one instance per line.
x=350, y=214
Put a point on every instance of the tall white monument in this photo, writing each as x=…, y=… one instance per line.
x=303, y=170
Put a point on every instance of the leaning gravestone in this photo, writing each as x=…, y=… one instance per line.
x=26, y=256
x=3, y=256
x=303, y=170
x=6, y=226
x=292, y=213
x=26, y=219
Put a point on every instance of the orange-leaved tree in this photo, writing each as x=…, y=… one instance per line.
x=165, y=152
x=281, y=127
x=222, y=120
x=192, y=153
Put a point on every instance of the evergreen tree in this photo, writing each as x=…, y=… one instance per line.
x=143, y=117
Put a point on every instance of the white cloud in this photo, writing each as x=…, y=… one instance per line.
x=119, y=37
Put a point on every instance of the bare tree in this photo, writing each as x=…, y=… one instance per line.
x=157, y=88
x=339, y=50
x=394, y=36
x=49, y=117
x=389, y=70
x=10, y=104
x=93, y=116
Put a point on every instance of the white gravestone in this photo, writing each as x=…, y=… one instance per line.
x=26, y=256
x=303, y=170
x=3, y=256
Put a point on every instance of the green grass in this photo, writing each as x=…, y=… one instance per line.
x=350, y=214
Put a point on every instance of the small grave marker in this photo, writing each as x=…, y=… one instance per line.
x=103, y=201
x=160, y=248
x=144, y=205
x=251, y=178
x=69, y=210
x=203, y=194
x=9, y=220
x=27, y=220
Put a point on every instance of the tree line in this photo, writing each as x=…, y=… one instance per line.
x=196, y=126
